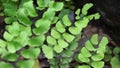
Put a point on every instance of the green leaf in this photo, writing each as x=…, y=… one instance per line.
x=42, y=4
x=63, y=12
x=26, y=64
x=49, y=14
x=97, y=57
x=89, y=46
x=13, y=29
x=31, y=53
x=102, y=45
x=77, y=12
x=108, y=50
x=101, y=50
x=75, y=30
x=103, y=42
x=30, y=8
x=51, y=40
x=82, y=23
x=22, y=17
x=90, y=17
x=116, y=50
x=58, y=48
x=68, y=37
x=67, y=53
x=7, y=36
x=22, y=27
x=64, y=66
x=9, y=10
x=2, y=50
x=82, y=58
x=108, y=57
x=11, y=48
x=83, y=66
x=85, y=52
x=57, y=6
x=48, y=51
x=23, y=36
x=66, y=20
x=62, y=43
x=94, y=39
x=86, y=7
x=26, y=32
x=54, y=66
x=66, y=60
x=77, y=17
x=36, y=41
x=42, y=26
x=98, y=64
x=5, y=65
x=115, y=63
x=55, y=34
x=42, y=22
x=10, y=57
x=9, y=20
x=2, y=43
x=53, y=61
x=54, y=21
x=73, y=46
x=15, y=0
x=96, y=16
x=59, y=26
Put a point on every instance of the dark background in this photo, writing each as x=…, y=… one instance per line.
x=110, y=15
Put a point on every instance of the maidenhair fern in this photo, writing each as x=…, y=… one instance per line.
x=19, y=32
x=112, y=56
x=92, y=54
x=54, y=33
x=62, y=43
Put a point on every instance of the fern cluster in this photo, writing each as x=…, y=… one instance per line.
x=53, y=33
